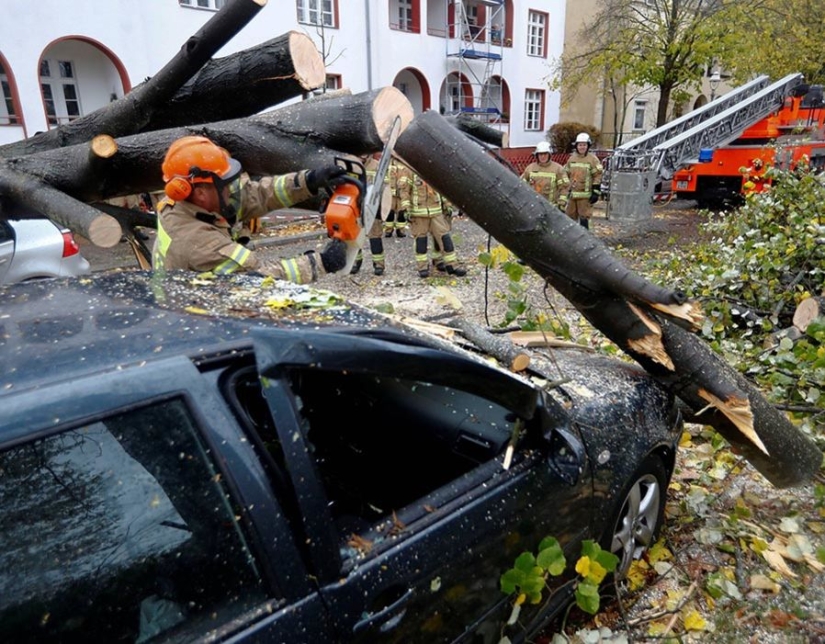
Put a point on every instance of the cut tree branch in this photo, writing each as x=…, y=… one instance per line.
x=304, y=135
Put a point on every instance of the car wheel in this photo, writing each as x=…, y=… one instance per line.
x=640, y=515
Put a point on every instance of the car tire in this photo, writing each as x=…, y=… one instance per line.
x=641, y=513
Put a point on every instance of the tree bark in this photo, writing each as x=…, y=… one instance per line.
x=481, y=131
x=132, y=112
x=100, y=228
x=244, y=83
x=643, y=319
x=501, y=348
x=298, y=136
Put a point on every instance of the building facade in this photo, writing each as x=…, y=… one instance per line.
x=488, y=58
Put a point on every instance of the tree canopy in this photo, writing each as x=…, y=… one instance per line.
x=669, y=45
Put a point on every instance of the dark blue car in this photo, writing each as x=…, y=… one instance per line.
x=242, y=460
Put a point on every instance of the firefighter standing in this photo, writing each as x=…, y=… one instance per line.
x=426, y=210
x=205, y=198
x=585, y=172
x=376, y=232
x=547, y=177
x=754, y=179
x=395, y=221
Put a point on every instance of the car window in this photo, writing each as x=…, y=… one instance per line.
x=381, y=444
x=120, y=530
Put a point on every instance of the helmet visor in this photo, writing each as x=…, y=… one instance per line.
x=231, y=179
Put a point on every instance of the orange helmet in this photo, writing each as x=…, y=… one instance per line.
x=196, y=159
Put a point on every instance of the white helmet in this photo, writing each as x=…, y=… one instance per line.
x=543, y=147
x=583, y=137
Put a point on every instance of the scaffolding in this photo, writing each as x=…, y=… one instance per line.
x=475, y=47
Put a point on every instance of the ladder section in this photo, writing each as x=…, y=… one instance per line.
x=634, y=170
x=667, y=131
x=724, y=127
x=474, y=57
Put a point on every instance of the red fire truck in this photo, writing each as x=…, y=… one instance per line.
x=794, y=131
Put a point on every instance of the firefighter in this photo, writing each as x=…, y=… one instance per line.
x=376, y=232
x=204, y=199
x=395, y=221
x=585, y=172
x=426, y=210
x=547, y=177
x=754, y=179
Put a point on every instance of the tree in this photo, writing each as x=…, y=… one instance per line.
x=661, y=44
x=793, y=30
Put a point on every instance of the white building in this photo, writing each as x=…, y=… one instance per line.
x=60, y=60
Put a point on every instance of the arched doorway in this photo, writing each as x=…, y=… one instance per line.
x=456, y=93
x=78, y=76
x=415, y=87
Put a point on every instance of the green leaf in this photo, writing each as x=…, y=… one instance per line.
x=587, y=597
x=511, y=580
x=551, y=557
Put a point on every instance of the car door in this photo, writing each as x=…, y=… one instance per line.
x=134, y=510
x=6, y=248
x=409, y=543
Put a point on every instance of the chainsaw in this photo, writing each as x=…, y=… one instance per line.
x=353, y=205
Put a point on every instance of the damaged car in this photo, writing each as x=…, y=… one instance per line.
x=240, y=459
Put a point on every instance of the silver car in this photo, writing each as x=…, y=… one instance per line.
x=36, y=248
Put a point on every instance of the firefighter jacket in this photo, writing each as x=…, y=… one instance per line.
x=190, y=239
x=549, y=180
x=585, y=173
x=387, y=199
x=417, y=197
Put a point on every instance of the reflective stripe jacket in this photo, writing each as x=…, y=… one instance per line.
x=549, y=180
x=585, y=172
x=417, y=197
x=191, y=239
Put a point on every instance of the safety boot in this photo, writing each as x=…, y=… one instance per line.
x=423, y=273
x=356, y=267
x=400, y=232
x=458, y=271
x=378, y=269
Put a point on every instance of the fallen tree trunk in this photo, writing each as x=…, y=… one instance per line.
x=132, y=112
x=476, y=129
x=244, y=83
x=100, y=228
x=622, y=305
x=299, y=136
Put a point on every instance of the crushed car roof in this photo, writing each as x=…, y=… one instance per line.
x=58, y=329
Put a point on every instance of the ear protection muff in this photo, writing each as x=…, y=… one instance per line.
x=178, y=188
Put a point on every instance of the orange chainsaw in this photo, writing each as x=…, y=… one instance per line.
x=353, y=205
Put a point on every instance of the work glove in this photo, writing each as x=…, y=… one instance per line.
x=334, y=256
x=594, y=196
x=327, y=177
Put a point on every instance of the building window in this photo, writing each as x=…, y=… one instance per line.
x=214, y=5
x=639, y=110
x=8, y=116
x=533, y=110
x=537, y=34
x=317, y=12
x=333, y=82
x=59, y=88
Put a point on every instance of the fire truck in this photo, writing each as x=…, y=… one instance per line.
x=791, y=133
x=702, y=154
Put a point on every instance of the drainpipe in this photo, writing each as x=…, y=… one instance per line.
x=369, y=43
